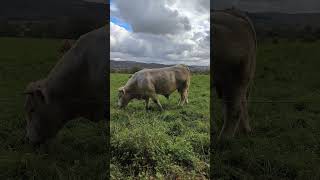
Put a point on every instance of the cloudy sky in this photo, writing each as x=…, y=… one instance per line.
x=160, y=31
x=286, y=6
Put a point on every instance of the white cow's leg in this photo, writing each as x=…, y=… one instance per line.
x=184, y=96
x=244, y=119
x=185, y=91
x=147, y=103
x=181, y=97
x=232, y=110
x=156, y=100
x=187, y=96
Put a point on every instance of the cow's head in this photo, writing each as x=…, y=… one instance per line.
x=123, y=97
x=43, y=118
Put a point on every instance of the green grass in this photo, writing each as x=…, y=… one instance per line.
x=78, y=151
x=284, y=145
x=173, y=143
x=286, y=133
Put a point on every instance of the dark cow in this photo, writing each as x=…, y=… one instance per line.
x=67, y=44
x=75, y=87
x=234, y=59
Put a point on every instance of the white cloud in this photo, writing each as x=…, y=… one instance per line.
x=113, y=8
x=164, y=31
x=149, y=16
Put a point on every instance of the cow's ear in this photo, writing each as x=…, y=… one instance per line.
x=42, y=94
x=122, y=90
x=30, y=88
x=37, y=89
x=29, y=103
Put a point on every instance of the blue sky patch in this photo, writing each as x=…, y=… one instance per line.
x=121, y=23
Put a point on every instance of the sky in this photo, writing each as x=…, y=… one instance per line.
x=284, y=6
x=160, y=31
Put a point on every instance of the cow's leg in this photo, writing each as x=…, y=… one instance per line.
x=181, y=97
x=147, y=103
x=155, y=99
x=247, y=73
x=187, y=96
x=187, y=90
x=184, y=96
x=232, y=110
x=244, y=125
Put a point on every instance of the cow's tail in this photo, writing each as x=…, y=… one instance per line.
x=188, y=79
x=187, y=83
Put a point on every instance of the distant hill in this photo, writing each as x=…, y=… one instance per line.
x=274, y=24
x=284, y=19
x=127, y=65
x=50, y=9
x=303, y=25
x=51, y=18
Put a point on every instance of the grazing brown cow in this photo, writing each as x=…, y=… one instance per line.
x=234, y=59
x=147, y=83
x=75, y=87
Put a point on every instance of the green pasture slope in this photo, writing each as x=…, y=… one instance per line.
x=78, y=151
x=285, y=143
x=170, y=144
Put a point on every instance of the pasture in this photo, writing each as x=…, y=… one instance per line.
x=170, y=144
x=78, y=151
x=285, y=117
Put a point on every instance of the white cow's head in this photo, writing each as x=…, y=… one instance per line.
x=123, y=97
x=43, y=118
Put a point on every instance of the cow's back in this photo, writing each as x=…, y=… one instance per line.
x=234, y=36
x=234, y=47
x=162, y=80
x=78, y=79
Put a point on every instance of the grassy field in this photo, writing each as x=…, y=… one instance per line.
x=170, y=144
x=78, y=151
x=285, y=117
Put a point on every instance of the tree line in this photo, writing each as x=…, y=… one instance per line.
x=65, y=28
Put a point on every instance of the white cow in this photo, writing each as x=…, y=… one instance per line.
x=75, y=87
x=234, y=61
